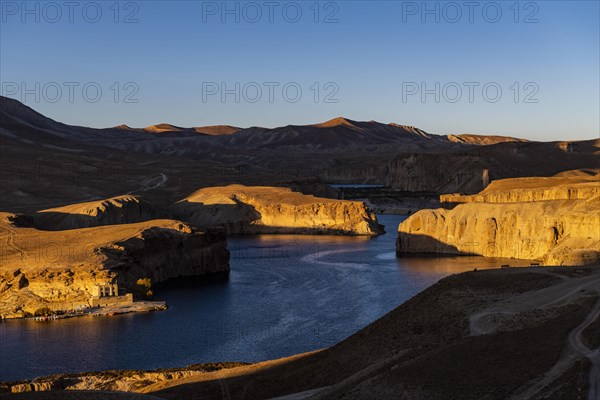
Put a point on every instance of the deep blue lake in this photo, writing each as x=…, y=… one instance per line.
x=286, y=294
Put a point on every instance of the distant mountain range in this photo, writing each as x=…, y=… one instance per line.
x=46, y=163
x=339, y=134
x=335, y=133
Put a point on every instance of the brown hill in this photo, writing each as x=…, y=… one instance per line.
x=45, y=163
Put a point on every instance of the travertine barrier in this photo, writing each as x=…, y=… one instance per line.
x=558, y=225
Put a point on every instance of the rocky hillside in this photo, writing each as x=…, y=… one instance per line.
x=552, y=220
x=472, y=170
x=60, y=269
x=47, y=164
x=251, y=209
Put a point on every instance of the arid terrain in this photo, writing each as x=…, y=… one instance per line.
x=84, y=211
x=47, y=164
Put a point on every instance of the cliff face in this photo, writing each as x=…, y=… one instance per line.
x=520, y=190
x=549, y=220
x=470, y=171
x=243, y=209
x=60, y=269
x=160, y=253
x=438, y=173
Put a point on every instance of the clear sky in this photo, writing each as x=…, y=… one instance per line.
x=435, y=65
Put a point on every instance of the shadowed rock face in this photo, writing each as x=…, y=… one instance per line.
x=435, y=173
x=553, y=220
x=161, y=254
x=61, y=268
x=472, y=170
x=243, y=209
x=117, y=210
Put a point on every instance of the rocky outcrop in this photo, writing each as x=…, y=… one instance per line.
x=520, y=190
x=123, y=381
x=260, y=209
x=482, y=140
x=117, y=210
x=552, y=220
x=159, y=254
x=472, y=170
x=60, y=270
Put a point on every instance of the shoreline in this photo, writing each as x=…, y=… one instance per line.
x=135, y=307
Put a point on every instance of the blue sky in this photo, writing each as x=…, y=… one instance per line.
x=369, y=60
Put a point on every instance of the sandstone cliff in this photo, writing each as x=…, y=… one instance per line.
x=260, y=209
x=552, y=220
x=520, y=190
x=60, y=270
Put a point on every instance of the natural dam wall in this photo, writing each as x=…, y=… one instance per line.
x=260, y=209
x=552, y=220
x=522, y=190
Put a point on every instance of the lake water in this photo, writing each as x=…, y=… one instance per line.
x=286, y=294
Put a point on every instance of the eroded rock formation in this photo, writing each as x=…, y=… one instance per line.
x=260, y=209
x=552, y=220
x=60, y=269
